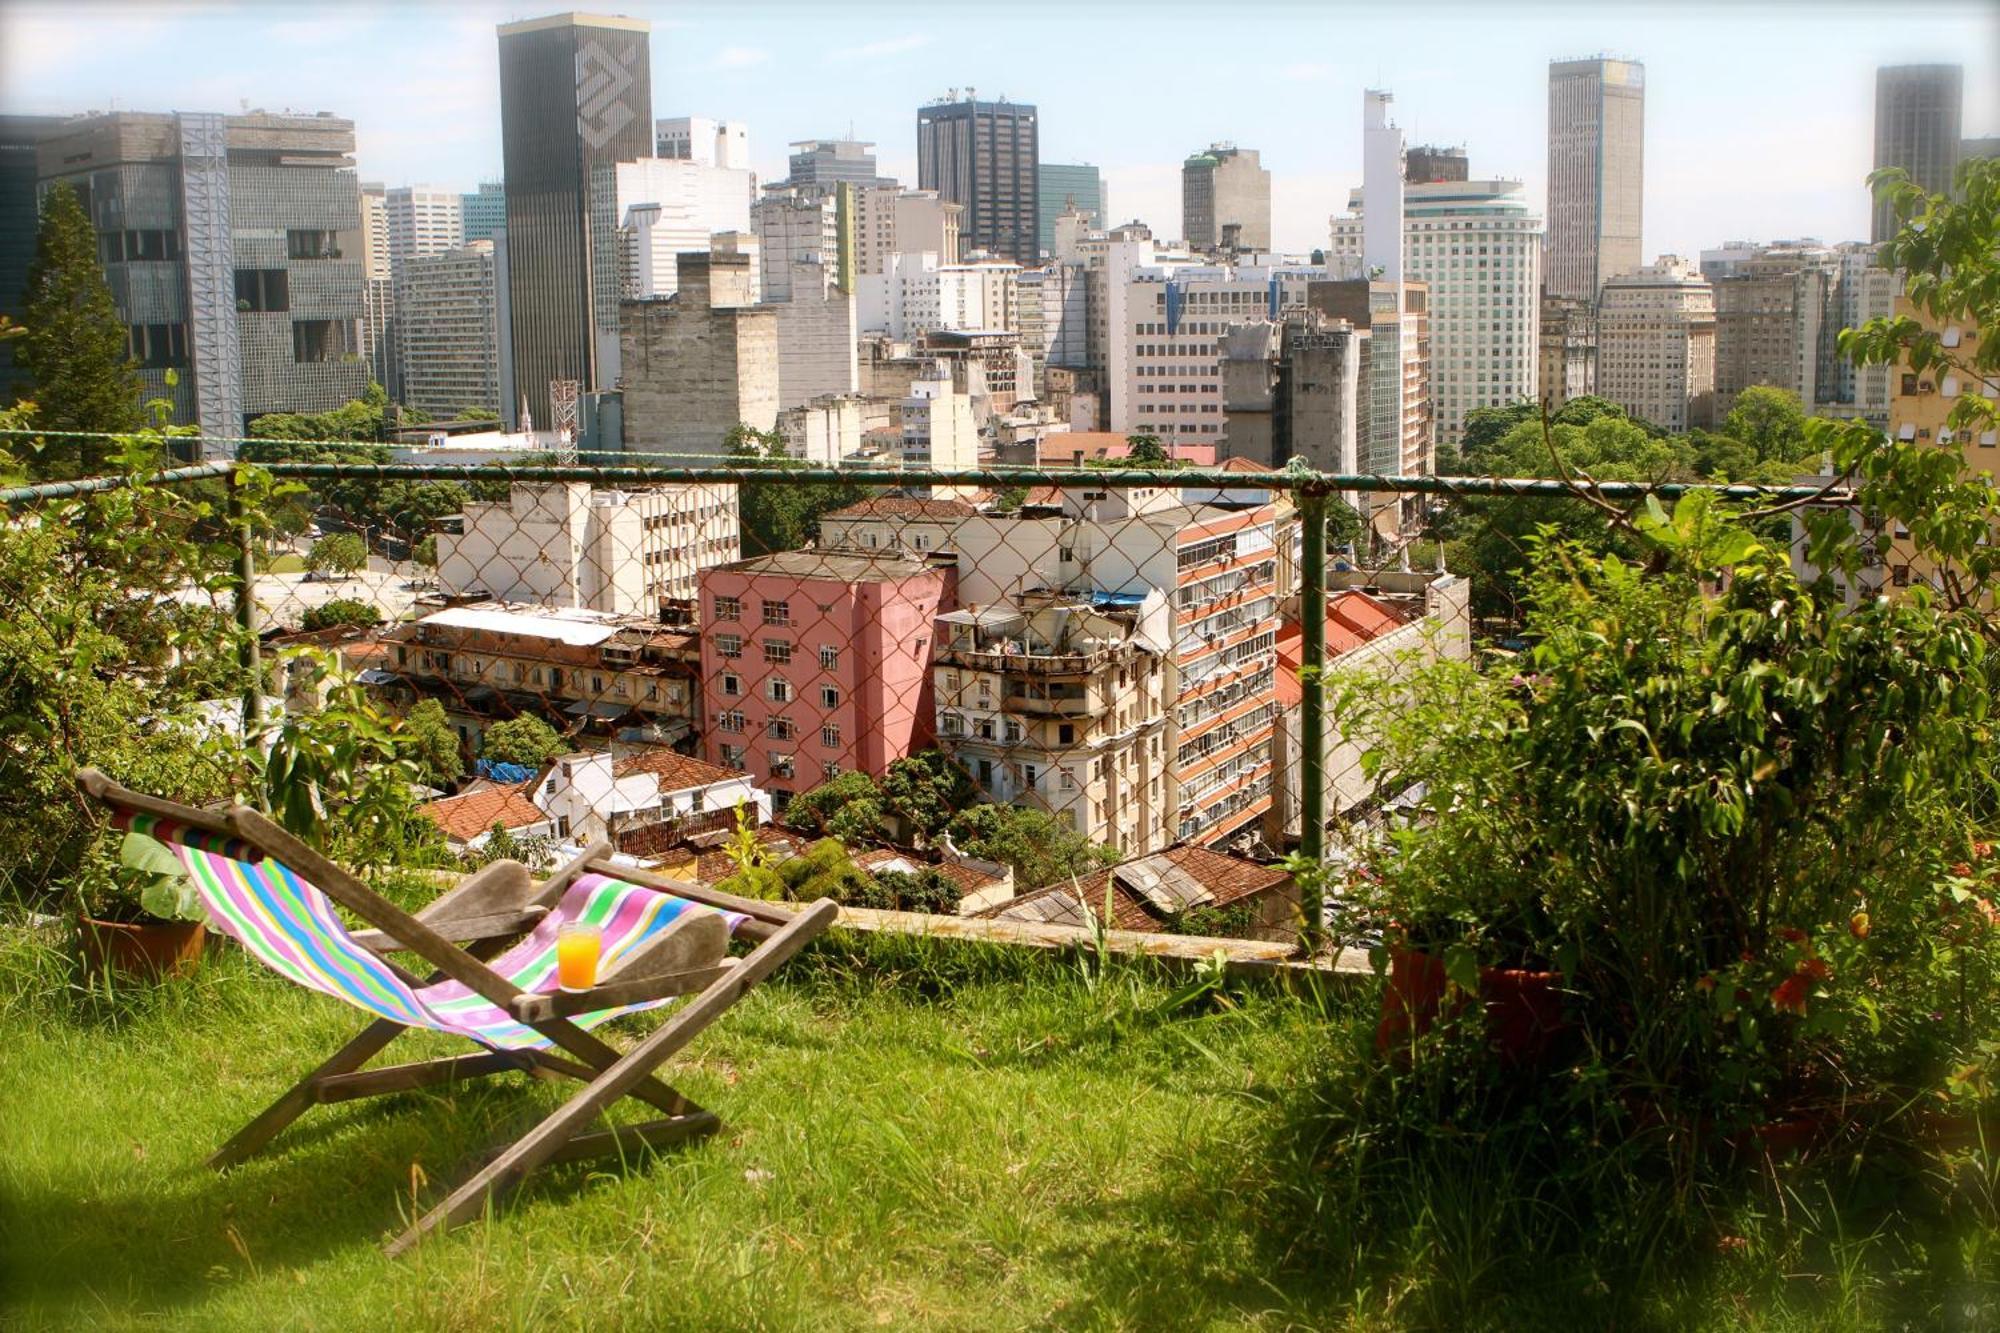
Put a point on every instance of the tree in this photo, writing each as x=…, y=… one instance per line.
x=924, y=791
x=425, y=552
x=525, y=740
x=1040, y=850
x=341, y=553
x=849, y=807
x=1145, y=450
x=428, y=741
x=779, y=518
x=76, y=352
x=341, y=611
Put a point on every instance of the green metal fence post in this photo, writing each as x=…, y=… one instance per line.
x=249, y=653
x=1312, y=703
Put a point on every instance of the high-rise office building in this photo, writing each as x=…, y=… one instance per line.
x=985, y=156
x=423, y=220
x=1064, y=186
x=20, y=220
x=576, y=95
x=378, y=296
x=1597, y=159
x=1430, y=164
x=712, y=143
x=1917, y=129
x=232, y=245
x=449, y=330
x=1226, y=200
x=1479, y=246
x=1656, y=344
x=832, y=161
x=484, y=213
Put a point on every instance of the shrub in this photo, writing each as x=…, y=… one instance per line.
x=341, y=611
x=525, y=740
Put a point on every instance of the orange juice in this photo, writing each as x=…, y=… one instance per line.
x=577, y=947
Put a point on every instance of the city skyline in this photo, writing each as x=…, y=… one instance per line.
x=1725, y=155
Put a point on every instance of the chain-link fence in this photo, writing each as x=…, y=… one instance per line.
x=983, y=682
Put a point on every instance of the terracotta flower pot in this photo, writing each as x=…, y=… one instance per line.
x=1524, y=1010
x=148, y=949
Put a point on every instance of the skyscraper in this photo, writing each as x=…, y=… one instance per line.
x=1226, y=199
x=1916, y=128
x=485, y=213
x=831, y=161
x=576, y=96
x=1061, y=185
x=986, y=157
x=20, y=220
x=1597, y=157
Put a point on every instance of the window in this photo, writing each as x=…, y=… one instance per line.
x=829, y=697
x=829, y=736
x=732, y=684
x=730, y=754
x=158, y=346
x=829, y=771
x=1066, y=734
x=777, y=650
x=781, y=764
x=1015, y=732
x=317, y=341
x=1029, y=773
x=263, y=290
x=729, y=645
x=829, y=659
x=729, y=720
x=1900, y=576
x=728, y=608
x=1068, y=780
x=984, y=727
x=779, y=690
x=780, y=729
x=952, y=724
x=311, y=245
x=777, y=613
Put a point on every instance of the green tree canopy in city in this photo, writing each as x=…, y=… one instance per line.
x=341, y=553
x=341, y=611
x=429, y=741
x=1039, y=848
x=779, y=518
x=525, y=740
x=80, y=372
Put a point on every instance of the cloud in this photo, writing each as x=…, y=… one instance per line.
x=882, y=50
x=740, y=57
x=1305, y=71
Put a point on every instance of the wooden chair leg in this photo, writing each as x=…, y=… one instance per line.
x=300, y=1097
x=546, y=1139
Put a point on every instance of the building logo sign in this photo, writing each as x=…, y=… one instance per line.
x=601, y=80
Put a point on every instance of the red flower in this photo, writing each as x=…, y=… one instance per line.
x=1962, y=869
x=1789, y=995
x=1815, y=968
x=1857, y=925
x=1792, y=935
x=1981, y=850
x=1706, y=985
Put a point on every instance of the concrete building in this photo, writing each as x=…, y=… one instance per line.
x=1917, y=111
x=1479, y=249
x=1393, y=427
x=1430, y=165
x=1292, y=389
x=576, y=96
x=940, y=428
x=985, y=157
x=818, y=662
x=20, y=221
x=1051, y=703
x=565, y=544
x=1866, y=291
x=449, y=331
x=1656, y=344
x=640, y=794
x=378, y=310
x=232, y=246
x=916, y=294
x=895, y=522
x=484, y=212
x=422, y=220
x=1597, y=164
x=794, y=228
x=817, y=329
x=583, y=670
x=1772, y=325
x=668, y=206
x=1054, y=317
x=1568, y=351
x=700, y=362
x=823, y=431
x=710, y=143
x=1226, y=200
x=1064, y=187
x=833, y=161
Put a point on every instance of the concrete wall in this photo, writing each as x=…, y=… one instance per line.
x=693, y=369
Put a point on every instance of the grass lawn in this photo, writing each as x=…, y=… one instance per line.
x=285, y=564
x=914, y=1137
x=1024, y=1150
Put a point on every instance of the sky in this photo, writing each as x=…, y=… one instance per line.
x=1758, y=116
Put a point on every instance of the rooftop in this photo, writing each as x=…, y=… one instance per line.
x=468, y=816
x=1148, y=890
x=838, y=564
x=898, y=506
x=676, y=772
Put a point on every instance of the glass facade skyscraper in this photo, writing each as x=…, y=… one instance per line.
x=985, y=156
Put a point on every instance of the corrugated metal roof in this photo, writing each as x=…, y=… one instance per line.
x=577, y=633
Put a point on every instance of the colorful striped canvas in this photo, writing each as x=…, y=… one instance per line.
x=292, y=928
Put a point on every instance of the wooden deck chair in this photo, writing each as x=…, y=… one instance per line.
x=661, y=940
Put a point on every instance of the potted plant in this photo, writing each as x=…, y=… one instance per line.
x=141, y=914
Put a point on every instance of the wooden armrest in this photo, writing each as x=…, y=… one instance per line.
x=613, y=994
x=491, y=925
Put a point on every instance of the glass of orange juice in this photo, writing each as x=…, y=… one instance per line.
x=578, y=944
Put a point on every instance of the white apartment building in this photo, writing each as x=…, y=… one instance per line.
x=592, y=794
x=670, y=205
x=795, y=228
x=824, y=431
x=939, y=428
x=712, y=143
x=421, y=220
x=916, y=293
x=1656, y=344
x=563, y=544
x=1479, y=247
x=449, y=331
x=889, y=219
x=1165, y=319
x=1054, y=316
x=1867, y=291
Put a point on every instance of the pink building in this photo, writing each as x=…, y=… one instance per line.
x=818, y=662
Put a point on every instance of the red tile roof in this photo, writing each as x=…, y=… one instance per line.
x=899, y=506
x=965, y=877
x=467, y=817
x=677, y=772
x=1227, y=879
